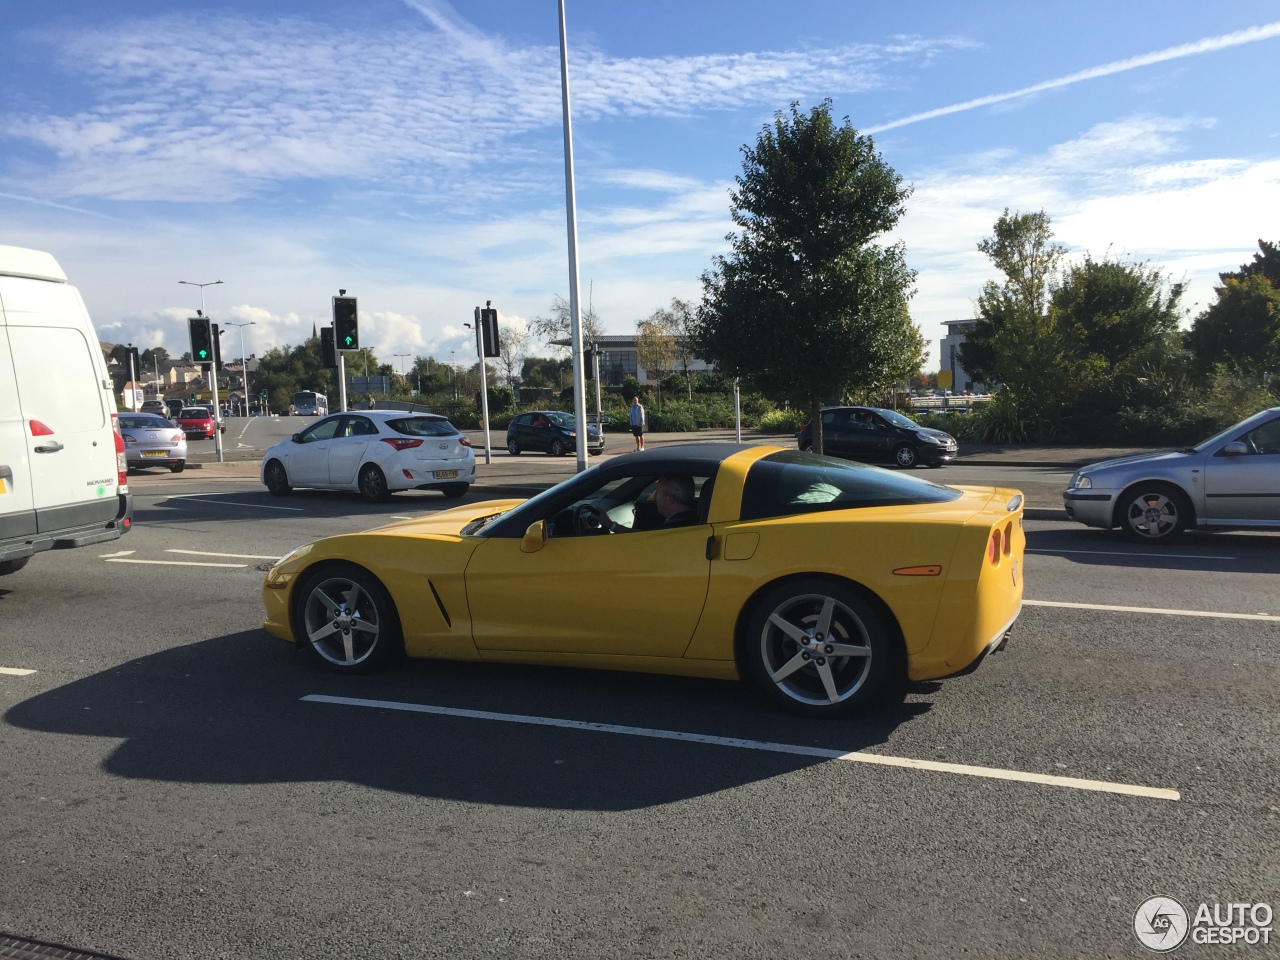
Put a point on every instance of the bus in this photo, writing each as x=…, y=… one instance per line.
x=309, y=403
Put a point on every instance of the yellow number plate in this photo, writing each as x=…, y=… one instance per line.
x=446, y=474
x=3, y=488
x=155, y=453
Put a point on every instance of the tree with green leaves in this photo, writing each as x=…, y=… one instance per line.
x=809, y=304
x=1018, y=341
x=1240, y=330
x=655, y=344
x=1265, y=263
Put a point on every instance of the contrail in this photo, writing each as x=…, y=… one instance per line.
x=56, y=206
x=1207, y=45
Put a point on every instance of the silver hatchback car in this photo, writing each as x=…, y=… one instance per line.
x=1232, y=480
x=153, y=441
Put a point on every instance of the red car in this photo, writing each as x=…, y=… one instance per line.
x=197, y=423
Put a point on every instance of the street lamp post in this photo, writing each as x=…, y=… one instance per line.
x=402, y=373
x=244, y=364
x=213, y=371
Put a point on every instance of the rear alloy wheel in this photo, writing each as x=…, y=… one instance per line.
x=905, y=456
x=276, y=478
x=373, y=485
x=818, y=647
x=177, y=467
x=1153, y=513
x=513, y=447
x=556, y=449
x=347, y=620
x=455, y=490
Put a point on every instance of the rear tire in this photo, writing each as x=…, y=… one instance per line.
x=819, y=647
x=346, y=620
x=455, y=491
x=276, y=479
x=1153, y=513
x=177, y=467
x=373, y=485
x=513, y=447
x=12, y=566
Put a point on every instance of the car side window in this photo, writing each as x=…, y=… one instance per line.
x=1264, y=439
x=323, y=430
x=358, y=427
x=834, y=418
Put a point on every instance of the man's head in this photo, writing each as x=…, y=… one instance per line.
x=674, y=494
x=635, y=401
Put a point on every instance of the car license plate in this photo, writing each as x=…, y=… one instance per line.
x=446, y=474
x=155, y=453
x=3, y=488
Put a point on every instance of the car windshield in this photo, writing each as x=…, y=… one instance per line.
x=142, y=421
x=423, y=427
x=1221, y=435
x=561, y=419
x=790, y=482
x=305, y=399
x=898, y=420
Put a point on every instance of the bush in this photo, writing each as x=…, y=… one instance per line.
x=959, y=425
x=672, y=419
x=782, y=421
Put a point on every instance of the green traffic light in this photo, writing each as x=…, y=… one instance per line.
x=348, y=341
x=202, y=354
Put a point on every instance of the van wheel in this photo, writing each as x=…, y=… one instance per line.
x=276, y=478
x=12, y=566
x=177, y=467
x=373, y=485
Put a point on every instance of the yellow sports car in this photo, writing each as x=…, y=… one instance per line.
x=826, y=583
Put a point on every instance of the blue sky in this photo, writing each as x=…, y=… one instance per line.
x=410, y=151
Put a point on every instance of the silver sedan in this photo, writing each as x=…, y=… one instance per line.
x=153, y=441
x=1232, y=480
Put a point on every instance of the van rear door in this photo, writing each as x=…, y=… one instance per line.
x=70, y=442
x=17, y=511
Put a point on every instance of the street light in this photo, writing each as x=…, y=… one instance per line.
x=402, y=374
x=244, y=365
x=213, y=371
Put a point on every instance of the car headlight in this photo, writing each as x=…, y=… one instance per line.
x=570, y=433
x=290, y=555
x=1081, y=482
x=929, y=438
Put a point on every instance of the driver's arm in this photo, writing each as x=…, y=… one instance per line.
x=606, y=524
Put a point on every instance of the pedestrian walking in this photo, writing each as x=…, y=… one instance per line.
x=638, y=422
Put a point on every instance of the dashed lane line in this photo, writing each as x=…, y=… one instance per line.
x=232, y=503
x=234, y=556
x=990, y=773
x=16, y=672
x=176, y=563
x=1157, y=610
x=119, y=553
x=1126, y=553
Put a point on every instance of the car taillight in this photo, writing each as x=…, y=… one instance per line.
x=179, y=437
x=464, y=441
x=122, y=464
x=403, y=443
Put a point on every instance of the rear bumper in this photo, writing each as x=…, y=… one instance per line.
x=71, y=537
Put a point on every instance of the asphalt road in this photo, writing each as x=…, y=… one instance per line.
x=168, y=792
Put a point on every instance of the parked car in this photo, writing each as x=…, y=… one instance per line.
x=63, y=477
x=173, y=408
x=154, y=406
x=1231, y=480
x=375, y=453
x=152, y=441
x=827, y=584
x=874, y=435
x=553, y=431
x=197, y=423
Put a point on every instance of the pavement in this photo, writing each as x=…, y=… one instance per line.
x=1035, y=470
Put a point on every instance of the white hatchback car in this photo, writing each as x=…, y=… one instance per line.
x=375, y=452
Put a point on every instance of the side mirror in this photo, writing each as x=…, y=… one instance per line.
x=1236, y=448
x=534, y=538
x=296, y=438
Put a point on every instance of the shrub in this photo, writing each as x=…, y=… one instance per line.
x=782, y=421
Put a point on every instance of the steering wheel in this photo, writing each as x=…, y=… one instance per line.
x=586, y=520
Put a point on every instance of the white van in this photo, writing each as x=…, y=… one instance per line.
x=63, y=475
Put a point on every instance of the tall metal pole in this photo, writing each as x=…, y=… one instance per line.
x=737, y=411
x=484, y=390
x=595, y=360
x=342, y=382
x=133, y=383
x=571, y=215
x=244, y=364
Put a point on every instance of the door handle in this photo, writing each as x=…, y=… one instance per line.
x=52, y=447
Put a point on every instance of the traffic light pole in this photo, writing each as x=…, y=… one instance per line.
x=342, y=383
x=484, y=389
x=217, y=410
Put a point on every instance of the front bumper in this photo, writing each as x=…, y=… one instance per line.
x=935, y=454
x=1093, y=508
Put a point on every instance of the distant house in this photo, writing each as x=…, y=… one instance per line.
x=619, y=360
x=961, y=380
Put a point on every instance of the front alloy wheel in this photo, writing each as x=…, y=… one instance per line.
x=1153, y=515
x=905, y=456
x=277, y=479
x=557, y=448
x=348, y=621
x=820, y=648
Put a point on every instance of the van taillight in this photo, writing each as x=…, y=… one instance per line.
x=122, y=464
x=38, y=429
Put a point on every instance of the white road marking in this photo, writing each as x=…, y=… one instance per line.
x=1125, y=553
x=1160, y=610
x=232, y=503
x=177, y=563
x=121, y=553
x=236, y=556
x=16, y=672
x=399, y=518
x=991, y=773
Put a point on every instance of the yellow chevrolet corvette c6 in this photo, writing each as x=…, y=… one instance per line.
x=825, y=583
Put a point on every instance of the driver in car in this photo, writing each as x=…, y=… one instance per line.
x=673, y=497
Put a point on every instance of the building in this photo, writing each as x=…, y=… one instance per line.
x=619, y=360
x=961, y=380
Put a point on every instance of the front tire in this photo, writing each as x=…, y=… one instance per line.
x=373, y=485
x=346, y=621
x=905, y=456
x=277, y=479
x=556, y=449
x=1153, y=513
x=819, y=647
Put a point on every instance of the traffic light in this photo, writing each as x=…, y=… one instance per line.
x=217, y=345
x=589, y=363
x=201, y=339
x=346, y=328
x=489, y=332
x=328, y=356
x=135, y=361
